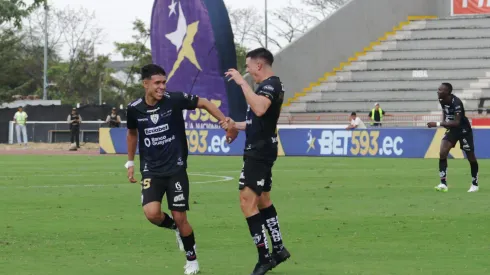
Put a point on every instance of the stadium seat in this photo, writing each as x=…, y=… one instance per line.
x=403, y=72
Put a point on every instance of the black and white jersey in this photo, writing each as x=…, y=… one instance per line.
x=161, y=132
x=261, y=132
x=456, y=107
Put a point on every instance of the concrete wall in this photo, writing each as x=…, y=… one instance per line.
x=345, y=32
x=441, y=8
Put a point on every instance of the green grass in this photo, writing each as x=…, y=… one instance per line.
x=78, y=215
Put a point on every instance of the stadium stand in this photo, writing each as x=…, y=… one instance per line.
x=404, y=71
x=394, y=52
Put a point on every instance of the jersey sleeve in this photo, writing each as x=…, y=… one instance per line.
x=132, y=121
x=185, y=101
x=458, y=106
x=268, y=91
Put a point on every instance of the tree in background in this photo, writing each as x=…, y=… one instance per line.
x=138, y=52
x=13, y=11
x=285, y=24
x=320, y=9
x=77, y=79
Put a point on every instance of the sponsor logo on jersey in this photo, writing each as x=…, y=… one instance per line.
x=179, y=198
x=156, y=130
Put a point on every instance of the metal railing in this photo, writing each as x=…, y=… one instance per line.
x=392, y=120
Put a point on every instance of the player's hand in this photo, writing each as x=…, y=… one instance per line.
x=235, y=75
x=227, y=124
x=432, y=124
x=224, y=124
x=131, y=174
x=231, y=135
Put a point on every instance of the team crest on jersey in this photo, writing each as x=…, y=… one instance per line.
x=154, y=118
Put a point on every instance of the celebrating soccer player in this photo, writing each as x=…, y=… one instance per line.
x=156, y=119
x=260, y=126
x=458, y=129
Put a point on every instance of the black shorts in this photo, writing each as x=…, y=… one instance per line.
x=256, y=175
x=153, y=188
x=465, y=138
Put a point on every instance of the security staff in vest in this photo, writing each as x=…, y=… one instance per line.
x=20, y=120
x=74, y=119
x=113, y=119
x=376, y=115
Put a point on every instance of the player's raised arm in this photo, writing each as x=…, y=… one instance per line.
x=259, y=103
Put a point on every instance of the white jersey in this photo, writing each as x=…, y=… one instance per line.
x=358, y=122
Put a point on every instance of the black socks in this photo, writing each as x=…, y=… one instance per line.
x=443, y=170
x=269, y=215
x=189, y=243
x=168, y=222
x=255, y=224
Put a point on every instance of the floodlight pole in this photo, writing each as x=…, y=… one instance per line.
x=266, y=35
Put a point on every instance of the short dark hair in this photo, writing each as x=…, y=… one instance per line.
x=448, y=86
x=261, y=53
x=353, y=114
x=150, y=70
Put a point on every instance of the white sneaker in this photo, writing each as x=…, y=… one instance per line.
x=191, y=268
x=180, y=244
x=473, y=188
x=441, y=187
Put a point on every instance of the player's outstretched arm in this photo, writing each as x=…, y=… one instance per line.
x=211, y=108
x=241, y=126
x=230, y=124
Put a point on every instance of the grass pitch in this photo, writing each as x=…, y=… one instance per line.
x=78, y=215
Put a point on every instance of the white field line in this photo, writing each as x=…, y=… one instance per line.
x=220, y=179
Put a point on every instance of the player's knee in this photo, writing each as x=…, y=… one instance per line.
x=154, y=215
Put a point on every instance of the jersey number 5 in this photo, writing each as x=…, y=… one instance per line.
x=146, y=183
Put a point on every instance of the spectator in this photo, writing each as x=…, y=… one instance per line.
x=20, y=120
x=74, y=119
x=355, y=122
x=376, y=115
x=113, y=119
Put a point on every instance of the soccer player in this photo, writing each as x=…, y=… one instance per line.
x=264, y=107
x=157, y=120
x=458, y=129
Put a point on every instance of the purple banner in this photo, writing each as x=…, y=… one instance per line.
x=182, y=42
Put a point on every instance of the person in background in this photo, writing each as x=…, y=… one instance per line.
x=20, y=120
x=113, y=119
x=355, y=122
x=377, y=115
x=74, y=119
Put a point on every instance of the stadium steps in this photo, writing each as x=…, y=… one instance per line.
x=393, y=94
x=443, y=74
x=403, y=70
x=395, y=105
